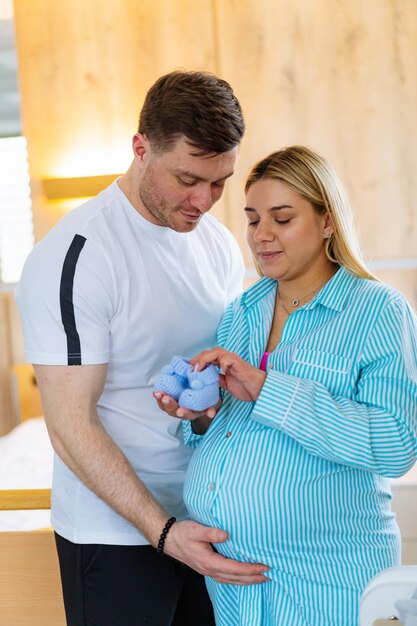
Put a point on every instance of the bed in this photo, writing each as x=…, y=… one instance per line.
x=26, y=459
x=30, y=591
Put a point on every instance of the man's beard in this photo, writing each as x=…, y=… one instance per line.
x=159, y=209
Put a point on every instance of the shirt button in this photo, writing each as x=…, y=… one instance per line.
x=211, y=486
x=229, y=434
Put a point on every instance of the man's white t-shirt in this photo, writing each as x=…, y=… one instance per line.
x=107, y=286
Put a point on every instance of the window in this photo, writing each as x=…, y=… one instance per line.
x=16, y=226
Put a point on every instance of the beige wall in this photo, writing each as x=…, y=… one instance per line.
x=84, y=68
x=338, y=75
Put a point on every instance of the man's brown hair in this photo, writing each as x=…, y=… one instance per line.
x=198, y=105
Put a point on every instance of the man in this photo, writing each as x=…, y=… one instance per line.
x=117, y=287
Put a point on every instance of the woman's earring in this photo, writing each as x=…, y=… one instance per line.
x=327, y=235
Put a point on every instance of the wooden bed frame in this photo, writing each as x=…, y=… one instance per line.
x=30, y=587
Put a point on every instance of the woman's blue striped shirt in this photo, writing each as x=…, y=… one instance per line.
x=299, y=478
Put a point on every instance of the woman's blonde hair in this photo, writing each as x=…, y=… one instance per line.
x=313, y=178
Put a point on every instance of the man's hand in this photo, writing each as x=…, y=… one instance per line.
x=201, y=421
x=190, y=543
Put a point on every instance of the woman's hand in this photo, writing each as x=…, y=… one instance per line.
x=240, y=378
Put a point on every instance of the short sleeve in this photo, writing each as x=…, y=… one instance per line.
x=66, y=300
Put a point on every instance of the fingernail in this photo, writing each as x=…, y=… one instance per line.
x=196, y=367
x=180, y=413
x=157, y=394
x=165, y=401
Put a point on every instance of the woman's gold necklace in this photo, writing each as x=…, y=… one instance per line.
x=296, y=301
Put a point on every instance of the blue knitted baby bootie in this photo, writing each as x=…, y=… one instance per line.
x=203, y=390
x=173, y=379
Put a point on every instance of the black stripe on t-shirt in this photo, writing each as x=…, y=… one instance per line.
x=66, y=300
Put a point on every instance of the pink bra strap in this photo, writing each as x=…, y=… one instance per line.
x=264, y=361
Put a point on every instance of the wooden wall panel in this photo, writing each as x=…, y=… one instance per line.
x=339, y=76
x=84, y=68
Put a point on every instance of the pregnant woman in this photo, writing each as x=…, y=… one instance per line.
x=318, y=365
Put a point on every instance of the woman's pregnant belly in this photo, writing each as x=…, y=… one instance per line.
x=283, y=506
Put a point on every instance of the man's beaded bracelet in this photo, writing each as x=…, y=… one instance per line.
x=161, y=542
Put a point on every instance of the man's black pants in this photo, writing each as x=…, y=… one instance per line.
x=129, y=586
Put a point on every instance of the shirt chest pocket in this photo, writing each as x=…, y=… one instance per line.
x=334, y=371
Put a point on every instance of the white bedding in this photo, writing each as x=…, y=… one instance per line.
x=26, y=460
